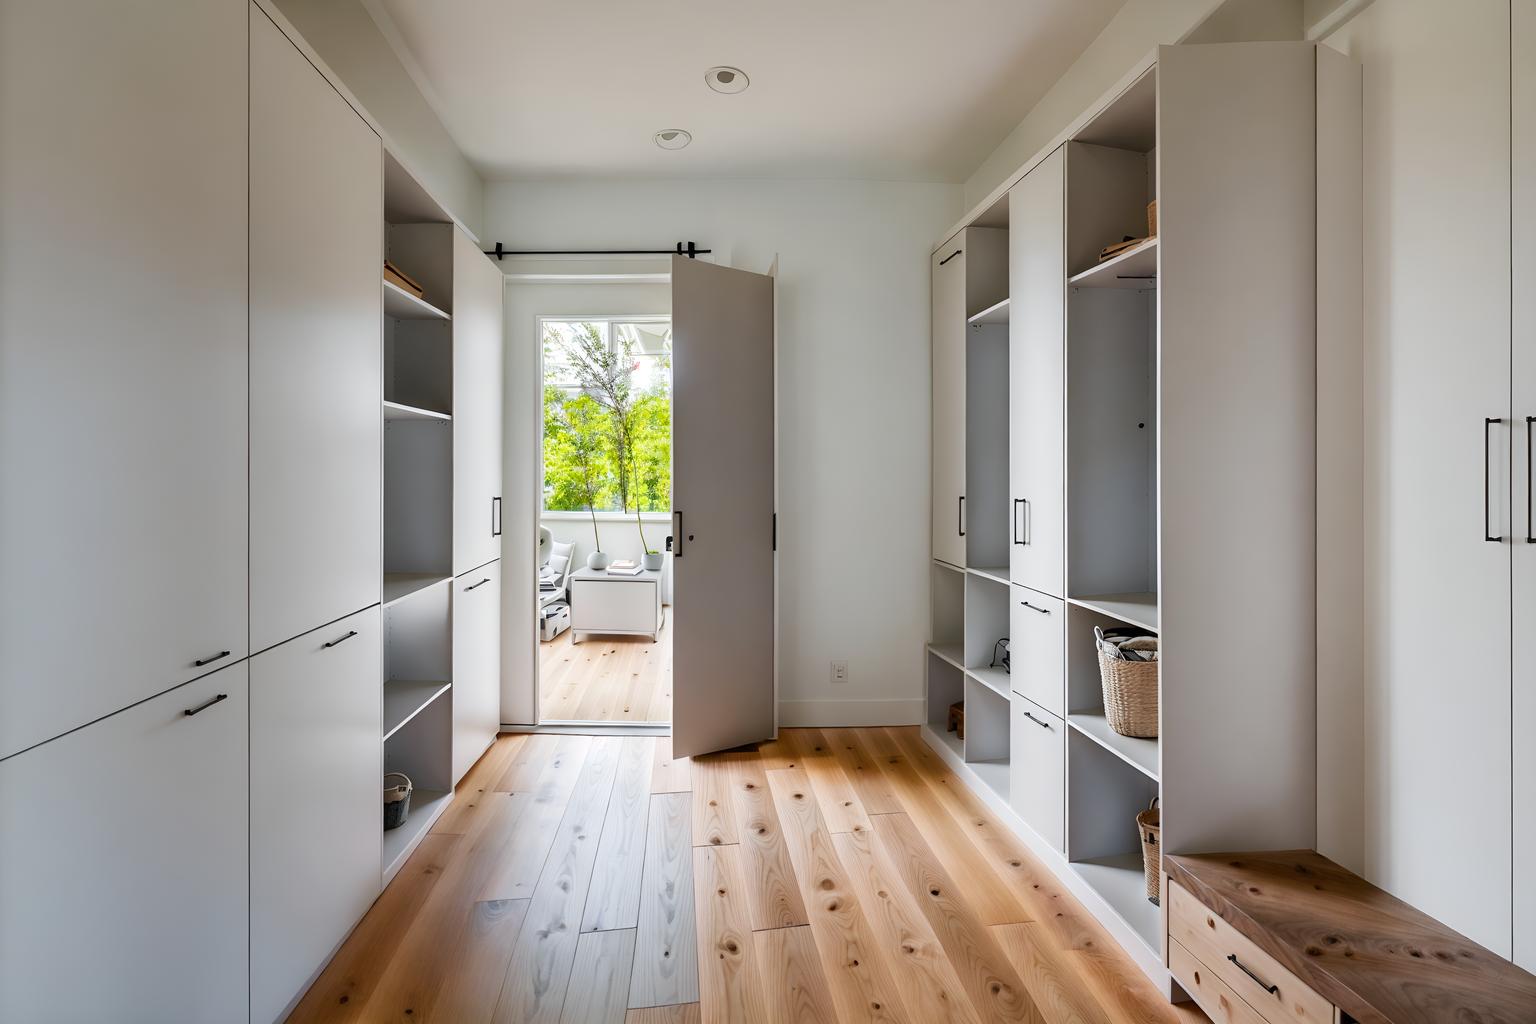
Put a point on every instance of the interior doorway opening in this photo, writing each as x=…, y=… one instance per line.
x=604, y=563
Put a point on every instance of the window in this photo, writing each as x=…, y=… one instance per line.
x=607, y=414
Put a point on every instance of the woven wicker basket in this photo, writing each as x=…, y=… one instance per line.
x=1130, y=695
x=1150, y=824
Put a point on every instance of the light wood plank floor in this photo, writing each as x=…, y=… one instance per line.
x=607, y=678
x=833, y=875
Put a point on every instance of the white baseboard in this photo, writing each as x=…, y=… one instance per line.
x=840, y=714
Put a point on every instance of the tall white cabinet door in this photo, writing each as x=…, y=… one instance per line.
x=123, y=864
x=316, y=766
x=1523, y=534
x=476, y=690
x=1437, y=687
x=122, y=355
x=1037, y=270
x=317, y=214
x=477, y=398
x=948, y=276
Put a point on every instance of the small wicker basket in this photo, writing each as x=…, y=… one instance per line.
x=1130, y=695
x=1150, y=824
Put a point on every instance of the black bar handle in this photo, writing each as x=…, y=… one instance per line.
x=1035, y=608
x=340, y=639
x=1032, y=718
x=1016, y=503
x=1488, y=535
x=1271, y=989
x=209, y=661
x=951, y=256
x=1530, y=538
x=472, y=586
x=677, y=533
x=496, y=516
x=960, y=516
x=205, y=705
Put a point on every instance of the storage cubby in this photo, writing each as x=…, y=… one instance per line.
x=1085, y=693
x=947, y=611
x=418, y=364
x=986, y=622
x=946, y=685
x=418, y=497
x=1103, y=843
x=420, y=750
x=986, y=734
x=986, y=447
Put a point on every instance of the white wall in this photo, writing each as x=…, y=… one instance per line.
x=854, y=393
x=347, y=39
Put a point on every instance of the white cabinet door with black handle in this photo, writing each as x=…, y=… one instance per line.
x=476, y=665
x=316, y=775
x=477, y=401
x=948, y=516
x=123, y=864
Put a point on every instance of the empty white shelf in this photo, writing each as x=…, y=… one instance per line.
x=995, y=573
x=993, y=774
x=396, y=411
x=940, y=731
x=994, y=679
x=1134, y=269
x=427, y=805
x=946, y=565
x=1123, y=885
x=997, y=314
x=1135, y=609
x=404, y=699
x=402, y=305
x=1140, y=754
x=400, y=585
x=952, y=653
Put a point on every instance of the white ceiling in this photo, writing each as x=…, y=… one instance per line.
x=886, y=89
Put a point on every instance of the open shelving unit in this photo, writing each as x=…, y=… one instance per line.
x=399, y=411
x=404, y=699
x=402, y=305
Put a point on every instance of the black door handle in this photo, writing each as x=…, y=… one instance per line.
x=496, y=516
x=951, y=256
x=205, y=705
x=1035, y=608
x=472, y=586
x=1016, y=503
x=1530, y=538
x=1488, y=534
x=1271, y=989
x=1032, y=718
x=209, y=661
x=346, y=636
x=677, y=533
x=960, y=516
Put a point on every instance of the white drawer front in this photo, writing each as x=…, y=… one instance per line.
x=1037, y=766
x=1037, y=628
x=611, y=606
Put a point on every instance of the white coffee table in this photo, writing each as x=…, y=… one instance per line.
x=622, y=605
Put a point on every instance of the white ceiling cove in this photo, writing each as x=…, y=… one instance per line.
x=906, y=90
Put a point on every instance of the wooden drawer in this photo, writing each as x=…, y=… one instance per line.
x=1037, y=649
x=1209, y=992
x=1278, y=995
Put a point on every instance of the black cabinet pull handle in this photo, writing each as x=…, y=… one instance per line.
x=496, y=516
x=340, y=639
x=1032, y=718
x=1016, y=503
x=677, y=533
x=1035, y=608
x=1488, y=535
x=1271, y=989
x=205, y=705
x=209, y=661
x=951, y=256
x=472, y=586
x=1530, y=538
x=960, y=516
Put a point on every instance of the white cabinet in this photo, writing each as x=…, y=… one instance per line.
x=1523, y=533
x=477, y=403
x=122, y=355
x=123, y=846
x=316, y=346
x=1037, y=648
x=1036, y=367
x=1037, y=769
x=949, y=403
x=476, y=665
x=316, y=770
x=615, y=604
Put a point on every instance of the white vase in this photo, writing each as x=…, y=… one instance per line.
x=653, y=561
x=597, y=560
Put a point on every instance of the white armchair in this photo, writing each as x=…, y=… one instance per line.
x=555, y=573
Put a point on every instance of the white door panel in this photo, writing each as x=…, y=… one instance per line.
x=476, y=665
x=477, y=399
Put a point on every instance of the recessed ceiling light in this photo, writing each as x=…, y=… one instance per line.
x=727, y=79
x=673, y=138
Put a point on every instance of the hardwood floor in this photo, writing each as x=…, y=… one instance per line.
x=607, y=678
x=832, y=875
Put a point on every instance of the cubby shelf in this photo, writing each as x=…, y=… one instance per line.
x=397, y=411
x=940, y=731
x=993, y=773
x=1121, y=881
x=945, y=565
x=1141, y=754
x=427, y=805
x=1136, y=269
x=995, y=573
x=404, y=699
x=952, y=653
x=400, y=585
x=402, y=305
x=1134, y=609
x=994, y=679
x=997, y=314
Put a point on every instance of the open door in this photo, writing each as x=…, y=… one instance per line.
x=723, y=526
